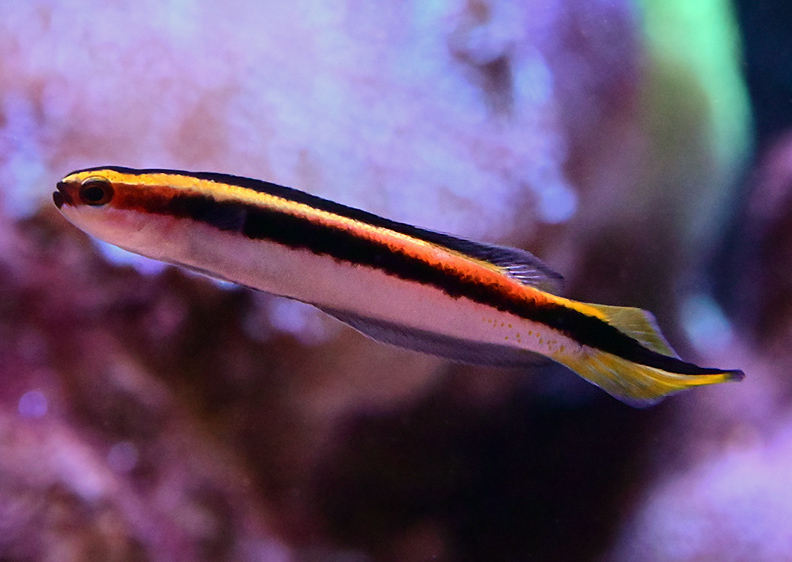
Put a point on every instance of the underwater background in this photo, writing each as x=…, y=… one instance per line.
x=641, y=148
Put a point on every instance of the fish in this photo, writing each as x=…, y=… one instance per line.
x=399, y=284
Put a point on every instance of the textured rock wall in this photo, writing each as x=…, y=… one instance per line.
x=147, y=414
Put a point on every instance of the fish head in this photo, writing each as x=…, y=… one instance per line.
x=112, y=205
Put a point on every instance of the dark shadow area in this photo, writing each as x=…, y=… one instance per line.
x=767, y=52
x=529, y=480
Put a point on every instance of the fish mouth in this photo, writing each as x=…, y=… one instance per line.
x=61, y=196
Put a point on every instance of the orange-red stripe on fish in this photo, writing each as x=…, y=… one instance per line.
x=257, y=210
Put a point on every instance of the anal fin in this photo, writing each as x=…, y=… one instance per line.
x=455, y=349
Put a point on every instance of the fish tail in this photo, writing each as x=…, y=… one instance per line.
x=649, y=369
x=640, y=385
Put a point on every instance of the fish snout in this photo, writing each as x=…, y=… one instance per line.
x=62, y=195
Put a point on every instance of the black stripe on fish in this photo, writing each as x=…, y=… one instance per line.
x=261, y=223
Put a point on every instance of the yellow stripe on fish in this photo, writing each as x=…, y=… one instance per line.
x=399, y=284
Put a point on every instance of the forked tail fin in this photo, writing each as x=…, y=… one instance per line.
x=650, y=371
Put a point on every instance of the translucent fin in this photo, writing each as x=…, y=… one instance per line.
x=519, y=264
x=458, y=350
x=638, y=385
x=639, y=325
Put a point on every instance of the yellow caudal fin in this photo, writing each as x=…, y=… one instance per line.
x=639, y=385
x=638, y=324
x=645, y=370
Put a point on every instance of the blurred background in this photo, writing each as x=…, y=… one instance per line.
x=642, y=148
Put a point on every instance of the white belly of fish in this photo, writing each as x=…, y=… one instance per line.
x=359, y=291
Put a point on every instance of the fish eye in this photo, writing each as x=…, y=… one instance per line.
x=96, y=192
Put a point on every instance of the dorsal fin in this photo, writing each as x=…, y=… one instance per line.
x=519, y=264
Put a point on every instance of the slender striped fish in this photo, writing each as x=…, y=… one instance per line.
x=396, y=283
